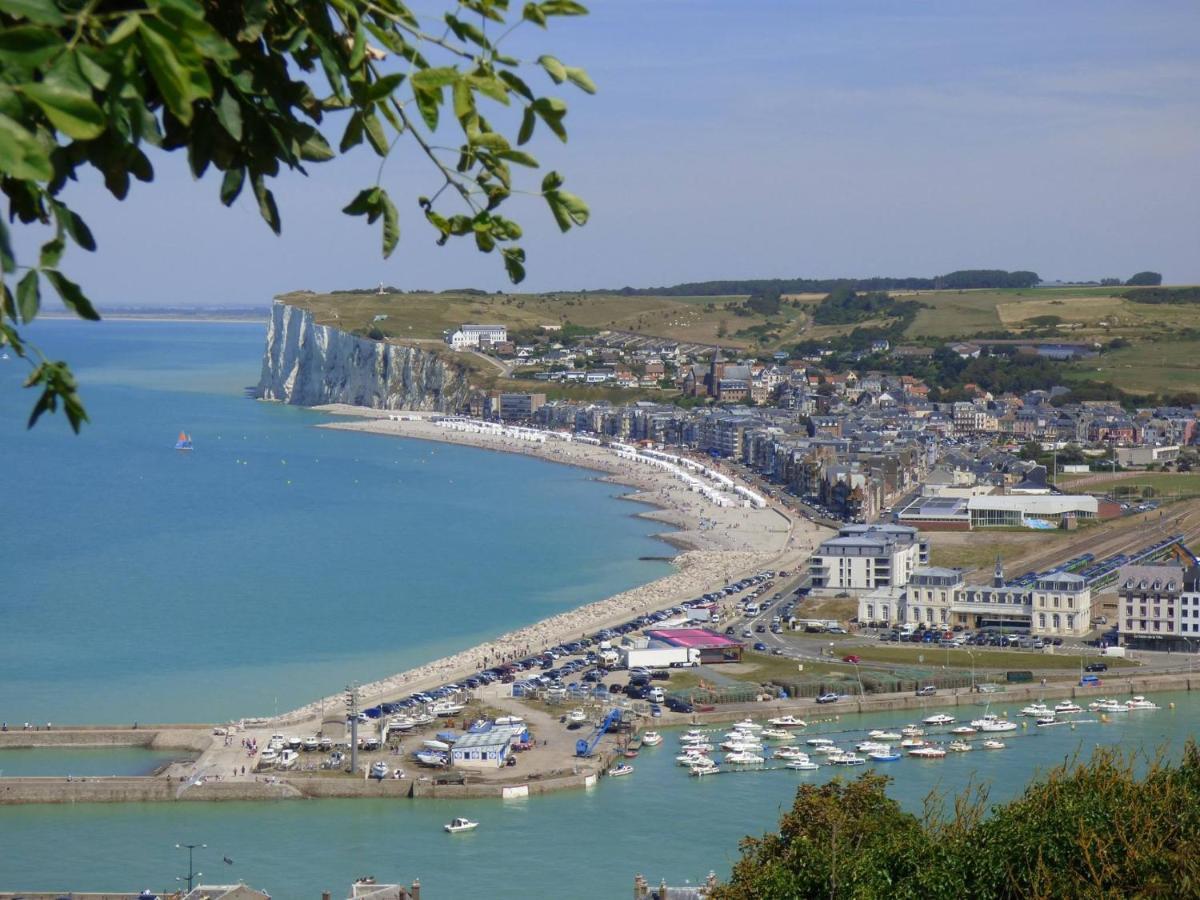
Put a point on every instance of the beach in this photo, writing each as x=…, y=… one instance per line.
x=717, y=544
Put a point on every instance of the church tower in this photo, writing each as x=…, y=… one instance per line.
x=998, y=577
x=716, y=371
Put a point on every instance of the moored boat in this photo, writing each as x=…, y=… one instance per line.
x=459, y=825
x=884, y=755
x=1067, y=707
x=788, y=721
x=962, y=729
x=622, y=769
x=802, y=765
x=379, y=770
x=993, y=744
x=880, y=735
x=652, y=738
x=927, y=752
x=700, y=771
x=959, y=746
x=938, y=719
x=1140, y=702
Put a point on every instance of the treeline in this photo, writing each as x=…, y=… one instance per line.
x=845, y=307
x=963, y=279
x=1156, y=295
x=1095, y=830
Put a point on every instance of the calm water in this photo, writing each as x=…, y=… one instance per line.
x=61, y=761
x=656, y=821
x=277, y=561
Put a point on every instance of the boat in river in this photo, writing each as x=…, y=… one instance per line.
x=775, y=734
x=1066, y=707
x=881, y=735
x=1036, y=710
x=959, y=747
x=743, y=758
x=993, y=744
x=788, y=753
x=962, y=729
x=888, y=755
x=459, y=825
x=1140, y=702
x=802, y=765
x=184, y=442
x=788, y=721
x=938, y=719
x=700, y=771
x=622, y=769
x=652, y=738
x=927, y=752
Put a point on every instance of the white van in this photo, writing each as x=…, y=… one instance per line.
x=655, y=695
x=751, y=610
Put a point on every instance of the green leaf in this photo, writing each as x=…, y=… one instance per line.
x=180, y=82
x=231, y=185
x=8, y=262
x=551, y=110
x=358, y=50
x=533, y=13
x=74, y=225
x=433, y=78
x=29, y=46
x=72, y=113
x=96, y=75
x=514, y=259
x=21, y=155
x=39, y=11
x=563, y=8
x=28, y=297
x=520, y=157
x=528, y=120
x=428, y=102
x=555, y=69
x=266, y=203
x=315, y=148
x=490, y=86
x=581, y=79
x=383, y=87
x=391, y=225
x=465, y=31
x=516, y=84
x=71, y=295
x=229, y=114
x=255, y=16
x=464, y=102
x=490, y=140
x=128, y=27
x=375, y=133
x=567, y=209
x=364, y=202
x=51, y=252
x=353, y=134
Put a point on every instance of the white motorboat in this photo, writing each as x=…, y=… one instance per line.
x=959, y=746
x=269, y=757
x=871, y=746
x=700, y=771
x=693, y=761
x=275, y=744
x=743, y=758
x=748, y=725
x=693, y=734
x=509, y=720
x=818, y=742
x=1034, y=710
x=827, y=750
x=422, y=719
x=439, y=746
x=912, y=731
x=910, y=743
x=1046, y=721
x=288, y=759
x=622, y=769
x=325, y=744
x=459, y=825
x=927, y=752
x=577, y=715
x=445, y=708
x=999, y=725
x=741, y=746
x=885, y=735
x=993, y=744
x=400, y=723
x=1108, y=706
x=293, y=743
x=884, y=756
x=984, y=720
x=432, y=758
x=1140, y=702
x=379, y=770
x=789, y=753
x=775, y=734
x=696, y=748
x=802, y=765
x=938, y=719
x=962, y=729
x=847, y=759
x=1066, y=707
x=311, y=743
x=652, y=739
x=788, y=721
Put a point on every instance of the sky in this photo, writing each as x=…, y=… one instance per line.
x=756, y=139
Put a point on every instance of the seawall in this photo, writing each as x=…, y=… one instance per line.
x=174, y=737
x=307, y=364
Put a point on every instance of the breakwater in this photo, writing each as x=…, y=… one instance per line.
x=172, y=737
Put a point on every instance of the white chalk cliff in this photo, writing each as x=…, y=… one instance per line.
x=309, y=364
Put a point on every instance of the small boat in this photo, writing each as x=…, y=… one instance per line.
x=294, y=743
x=630, y=753
x=696, y=748
x=912, y=731
x=400, y=723
x=743, y=758
x=818, y=742
x=959, y=746
x=962, y=729
x=885, y=735
x=985, y=719
x=993, y=744
x=738, y=746
x=775, y=734
x=827, y=750
x=288, y=759
x=460, y=825
x=927, y=752
x=577, y=715
x=184, y=441
x=700, y=771
x=788, y=753
x=748, y=725
x=1034, y=710
x=847, y=759
x=1000, y=725
x=1108, y=706
x=1066, y=707
x=311, y=743
x=788, y=721
x=379, y=770
x=938, y=719
x=652, y=738
x=884, y=755
x=509, y=720
x=871, y=746
x=622, y=769
x=693, y=761
x=325, y=744
x=269, y=757
x=912, y=743
x=445, y=708
x=1140, y=702
x=1044, y=721
x=432, y=758
x=440, y=746
x=802, y=765
x=691, y=735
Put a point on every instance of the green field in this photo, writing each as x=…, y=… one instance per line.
x=1163, y=484
x=1162, y=366
x=912, y=654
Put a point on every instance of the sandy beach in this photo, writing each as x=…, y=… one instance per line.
x=718, y=544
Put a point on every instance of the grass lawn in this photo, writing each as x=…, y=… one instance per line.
x=1161, y=483
x=977, y=549
x=842, y=609
x=1170, y=366
x=909, y=654
x=760, y=667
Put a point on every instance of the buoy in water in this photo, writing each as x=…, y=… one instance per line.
x=1171, y=705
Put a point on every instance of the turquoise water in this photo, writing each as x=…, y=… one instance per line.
x=657, y=821
x=277, y=561
x=89, y=761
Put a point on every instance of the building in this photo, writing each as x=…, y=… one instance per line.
x=657, y=654
x=866, y=557
x=712, y=647
x=473, y=336
x=1015, y=510
x=1158, y=607
x=518, y=407
x=1147, y=456
x=488, y=749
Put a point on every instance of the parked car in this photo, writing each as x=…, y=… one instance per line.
x=760, y=646
x=928, y=691
x=828, y=698
x=1096, y=667
x=852, y=658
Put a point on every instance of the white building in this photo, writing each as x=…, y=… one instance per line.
x=1014, y=509
x=486, y=749
x=866, y=557
x=1159, y=607
x=473, y=335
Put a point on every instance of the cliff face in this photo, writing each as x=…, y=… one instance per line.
x=308, y=364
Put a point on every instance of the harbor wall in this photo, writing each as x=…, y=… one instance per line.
x=171, y=738
x=307, y=364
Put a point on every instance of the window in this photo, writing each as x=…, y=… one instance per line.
x=1057, y=622
x=1070, y=603
x=1041, y=620
x=1056, y=602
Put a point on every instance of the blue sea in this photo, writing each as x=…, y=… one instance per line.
x=277, y=561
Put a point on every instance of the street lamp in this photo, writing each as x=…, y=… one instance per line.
x=192, y=874
x=972, y=655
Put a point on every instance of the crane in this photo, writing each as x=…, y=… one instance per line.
x=587, y=746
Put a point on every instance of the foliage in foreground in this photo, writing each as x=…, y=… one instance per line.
x=1094, y=830
x=251, y=89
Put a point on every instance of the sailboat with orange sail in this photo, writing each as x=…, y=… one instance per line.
x=184, y=442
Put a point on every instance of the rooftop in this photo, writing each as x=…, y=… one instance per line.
x=699, y=638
